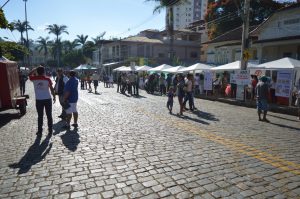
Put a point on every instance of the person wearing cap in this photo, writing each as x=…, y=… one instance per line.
x=70, y=100
x=261, y=92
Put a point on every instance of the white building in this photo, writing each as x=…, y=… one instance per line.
x=189, y=12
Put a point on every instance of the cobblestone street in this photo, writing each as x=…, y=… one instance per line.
x=128, y=147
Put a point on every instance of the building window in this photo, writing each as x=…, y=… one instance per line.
x=161, y=55
x=194, y=54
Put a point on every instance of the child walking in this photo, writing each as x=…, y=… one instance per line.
x=170, y=99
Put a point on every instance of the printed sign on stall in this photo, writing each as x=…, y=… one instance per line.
x=242, y=77
x=283, y=83
x=208, y=81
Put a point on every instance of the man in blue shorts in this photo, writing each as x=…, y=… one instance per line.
x=261, y=90
x=70, y=99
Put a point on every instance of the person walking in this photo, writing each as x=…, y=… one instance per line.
x=61, y=80
x=70, y=99
x=119, y=83
x=261, y=91
x=95, y=78
x=170, y=101
x=180, y=92
x=42, y=84
x=23, y=78
x=189, y=93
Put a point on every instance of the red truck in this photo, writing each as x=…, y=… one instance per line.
x=10, y=94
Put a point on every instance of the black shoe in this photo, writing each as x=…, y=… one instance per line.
x=266, y=120
x=60, y=116
x=39, y=132
x=75, y=125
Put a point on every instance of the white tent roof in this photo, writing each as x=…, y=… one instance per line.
x=160, y=68
x=117, y=69
x=284, y=63
x=175, y=69
x=143, y=68
x=127, y=69
x=231, y=66
x=196, y=67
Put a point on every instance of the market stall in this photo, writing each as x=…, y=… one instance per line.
x=160, y=68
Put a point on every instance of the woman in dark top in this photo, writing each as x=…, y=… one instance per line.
x=180, y=92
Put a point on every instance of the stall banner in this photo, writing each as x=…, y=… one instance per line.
x=208, y=80
x=232, y=78
x=242, y=77
x=283, y=83
x=240, y=92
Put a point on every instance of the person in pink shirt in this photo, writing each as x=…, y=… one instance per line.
x=42, y=88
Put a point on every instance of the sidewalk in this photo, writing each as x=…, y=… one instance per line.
x=289, y=110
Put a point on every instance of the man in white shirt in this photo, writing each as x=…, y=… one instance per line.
x=95, y=78
x=61, y=80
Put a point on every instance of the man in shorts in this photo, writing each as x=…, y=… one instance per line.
x=70, y=100
x=261, y=90
x=95, y=78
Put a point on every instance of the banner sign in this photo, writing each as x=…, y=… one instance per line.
x=283, y=83
x=242, y=77
x=208, y=81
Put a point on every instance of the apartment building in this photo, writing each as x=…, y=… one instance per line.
x=189, y=12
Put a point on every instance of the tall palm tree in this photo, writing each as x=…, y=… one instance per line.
x=43, y=45
x=21, y=27
x=57, y=30
x=168, y=5
x=82, y=39
x=69, y=46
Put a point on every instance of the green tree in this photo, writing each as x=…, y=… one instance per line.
x=43, y=45
x=82, y=39
x=13, y=51
x=57, y=30
x=73, y=58
x=3, y=21
x=168, y=5
x=88, y=49
x=220, y=13
x=21, y=27
x=69, y=46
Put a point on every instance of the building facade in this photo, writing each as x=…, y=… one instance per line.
x=188, y=12
x=152, y=47
x=277, y=37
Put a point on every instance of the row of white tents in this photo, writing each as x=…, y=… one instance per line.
x=281, y=64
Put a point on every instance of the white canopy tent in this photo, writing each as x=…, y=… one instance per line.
x=160, y=68
x=280, y=64
x=196, y=67
x=143, y=68
x=119, y=68
x=231, y=66
x=128, y=69
x=173, y=69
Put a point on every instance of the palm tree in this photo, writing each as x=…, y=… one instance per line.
x=43, y=45
x=82, y=39
x=168, y=5
x=69, y=46
x=57, y=30
x=21, y=27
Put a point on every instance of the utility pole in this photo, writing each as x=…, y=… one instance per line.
x=26, y=29
x=245, y=36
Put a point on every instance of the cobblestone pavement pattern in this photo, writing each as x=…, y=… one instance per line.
x=129, y=147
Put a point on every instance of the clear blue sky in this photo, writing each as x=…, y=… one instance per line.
x=88, y=17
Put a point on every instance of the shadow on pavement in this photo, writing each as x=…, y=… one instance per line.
x=71, y=139
x=285, y=126
x=205, y=115
x=139, y=96
x=35, y=154
x=186, y=117
x=57, y=127
x=7, y=117
x=295, y=120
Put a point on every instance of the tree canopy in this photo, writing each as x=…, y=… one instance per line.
x=220, y=13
